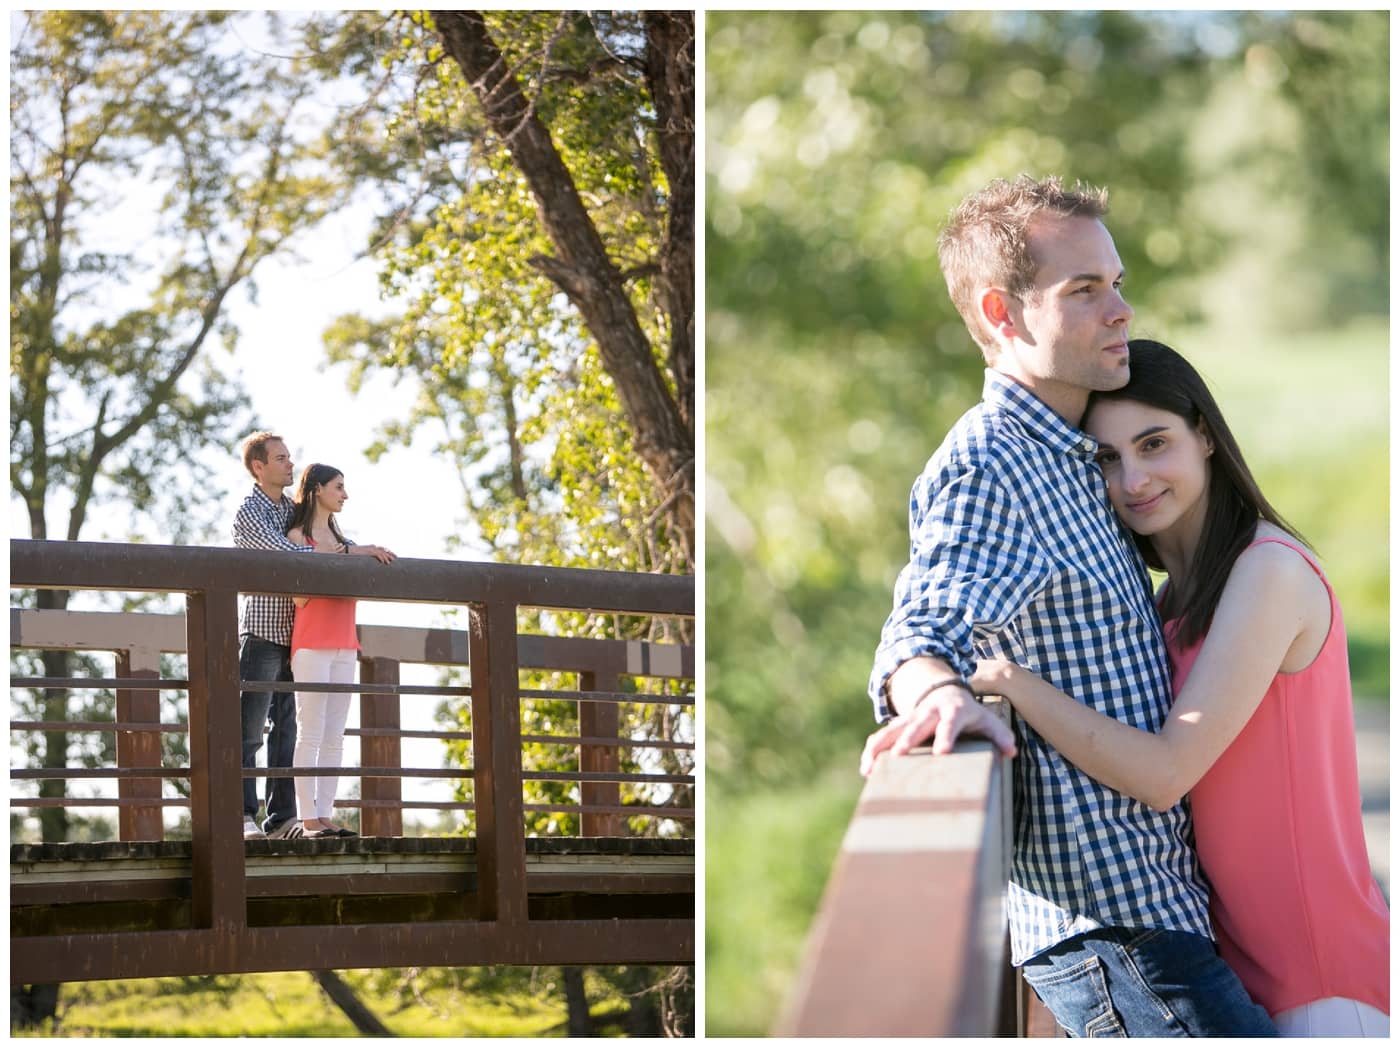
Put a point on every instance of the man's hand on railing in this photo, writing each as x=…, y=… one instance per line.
x=943, y=715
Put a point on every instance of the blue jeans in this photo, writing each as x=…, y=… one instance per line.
x=260, y=659
x=1135, y=982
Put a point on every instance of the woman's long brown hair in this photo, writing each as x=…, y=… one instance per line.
x=304, y=511
x=1162, y=378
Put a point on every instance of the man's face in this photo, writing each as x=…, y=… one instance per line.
x=277, y=470
x=1072, y=330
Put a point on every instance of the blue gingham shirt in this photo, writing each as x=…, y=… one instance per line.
x=1015, y=553
x=262, y=524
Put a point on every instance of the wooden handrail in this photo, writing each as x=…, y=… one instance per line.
x=911, y=936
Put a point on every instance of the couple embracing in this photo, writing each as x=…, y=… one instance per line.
x=1231, y=685
x=295, y=638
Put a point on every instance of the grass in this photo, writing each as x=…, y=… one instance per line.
x=291, y=1004
x=777, y=850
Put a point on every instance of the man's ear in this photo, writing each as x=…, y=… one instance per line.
x=997, y=308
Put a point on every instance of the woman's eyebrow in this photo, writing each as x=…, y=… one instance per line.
x=1149, y=431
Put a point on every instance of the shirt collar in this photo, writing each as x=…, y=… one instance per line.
x=260, y=493
x=1003, y=393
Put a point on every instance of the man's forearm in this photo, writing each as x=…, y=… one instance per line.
x=911, y=681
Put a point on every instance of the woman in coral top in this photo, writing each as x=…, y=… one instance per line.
x=324, y=650
x=1261, y=733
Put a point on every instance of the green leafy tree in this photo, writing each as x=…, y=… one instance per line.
x=551, y=341
x=542, y=244
x=114, y=393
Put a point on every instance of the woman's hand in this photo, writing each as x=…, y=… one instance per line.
x=379, y=553
x=995, y=677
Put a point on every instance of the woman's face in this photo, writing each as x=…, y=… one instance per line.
x=331, y=495
x=1155, y=465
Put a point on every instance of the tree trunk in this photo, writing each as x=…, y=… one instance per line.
x=583, y=270
x=339, y=991
x=30, y=1006
x=580, y=1018
x=670, y=73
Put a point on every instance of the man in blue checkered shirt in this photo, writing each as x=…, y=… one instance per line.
x=1016, y=554
x=265, y=635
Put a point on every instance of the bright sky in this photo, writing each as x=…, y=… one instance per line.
x=410, y=500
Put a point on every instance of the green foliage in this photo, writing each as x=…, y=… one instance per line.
x=753, y=883
x=509, y=377
x=510, y=380
x=837, y=143
x=112, y=394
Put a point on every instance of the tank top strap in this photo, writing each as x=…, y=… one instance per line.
x=1298, y=548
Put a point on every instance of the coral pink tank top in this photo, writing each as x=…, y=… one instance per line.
x=325, y=623
x=1278, y=829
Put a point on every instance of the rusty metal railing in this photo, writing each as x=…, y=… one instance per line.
x=493, y=653
x=911, y=936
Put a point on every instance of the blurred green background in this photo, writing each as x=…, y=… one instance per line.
x=1246, y=154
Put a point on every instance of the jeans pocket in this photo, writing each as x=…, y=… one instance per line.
x=1077, y=997
x=1142, y=938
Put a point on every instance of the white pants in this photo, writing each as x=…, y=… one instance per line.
x=320, y=725
x=1333, y=1017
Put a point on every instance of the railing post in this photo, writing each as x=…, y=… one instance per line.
x=496, y=764
x=218, y=890
x=139, y=749
x=599, y=719
x=380, y=751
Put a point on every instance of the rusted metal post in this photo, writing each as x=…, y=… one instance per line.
x=500, y=806
x=380, y=751
x=139, y=749
x=218, y=891
x=599, y=719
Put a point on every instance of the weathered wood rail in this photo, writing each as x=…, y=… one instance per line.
x=218, y=904
x=911, y=936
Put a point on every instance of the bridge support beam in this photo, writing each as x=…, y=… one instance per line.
x=139, y=749
x=131, y=955
x=216, y=761
x=380, y=751
x=496, y=764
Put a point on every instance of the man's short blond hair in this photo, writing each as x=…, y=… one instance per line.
x=985, y=242
x=255, y=449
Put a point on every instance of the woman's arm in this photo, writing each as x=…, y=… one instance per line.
x=1263, y=609
x=296, y=535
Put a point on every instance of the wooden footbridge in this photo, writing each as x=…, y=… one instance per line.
x=145, y=906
